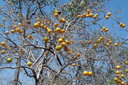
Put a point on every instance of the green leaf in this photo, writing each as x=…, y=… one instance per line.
x=111, y=82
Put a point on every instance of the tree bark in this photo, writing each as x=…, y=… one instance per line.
x=17, y=72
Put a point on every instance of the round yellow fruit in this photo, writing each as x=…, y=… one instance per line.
x=85, y=73
x=118, y=67
x=109, y=14
x=12, y=31
x=7, y=32
x=46, y=39
x=17, y=29
x=60, y=40
x=63, y=44
x=3, y=43
x=116, y=44
x=36, y=25
x=90, y=73
x=55, y=25
x=29, y=37
x=2, y=52
x=58, y=48
x=107, y=17
x=29, y=63
x=57, y=30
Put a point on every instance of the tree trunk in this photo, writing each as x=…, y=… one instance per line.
x=17, y=72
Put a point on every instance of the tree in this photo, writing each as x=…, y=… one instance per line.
x=66, y=45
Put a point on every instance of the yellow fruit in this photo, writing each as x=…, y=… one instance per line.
x=61, y=20
x=107, y=17
x=58, y=48
x=122, y=83
x=36, y=25
x=15, y=26
x=20, y=31
x=88, y=11
x=49, y=31
x=123, y=25
x=46, y=39
x=89, y=41
x=63, y=31
x=12, y=31
x=57, y=30
x=60, y=40
x=115, y=79
x=29, y=63
x=122, y=76
x=3, y=19
x=2, y=52
x=56, y=11
x=90, y=15
x=74, y=58
x=110, y=42
x=27, y=28
x=73, y=64
x=90, y=73
x=94, y=45
x=38, y=19
x=42, y=26
x=95, y=17
x=85, y=43
x=9, y=3
x=107, y=44
x=118, y=67
x=56, y=15
x=101, y=38
x=67, y=41
x=117, y=75
x=72, y=68
x=87, y=15
x=63, y=44
x=95, y=3
x=84, y=14
x=78, y=54
x=109, y=14
x=3, y=43
x=96, y=14
x=117, y=72
x=7, y=32
x=12, y=11
x=79, y=40
x=17, y=29
x=63, y=38
x=79, y=16
x=29, y=37
x=85, y=73
x=116, y=44
x=55, y=25
x=1, y=7
x=65, y=49
x=45, y=27
x=20, y=24
x=106, y=30
x=101, y=30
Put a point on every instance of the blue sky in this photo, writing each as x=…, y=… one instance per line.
x=113, y=5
